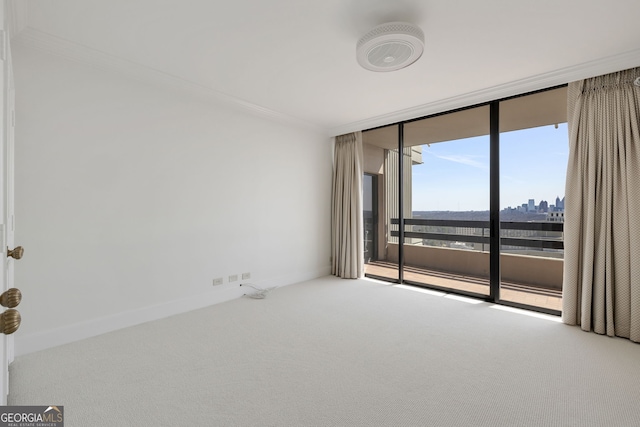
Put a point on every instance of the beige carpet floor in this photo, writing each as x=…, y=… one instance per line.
x=333, y=352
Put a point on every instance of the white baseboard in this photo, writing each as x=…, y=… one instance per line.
x=91, y=328
x=290, y=279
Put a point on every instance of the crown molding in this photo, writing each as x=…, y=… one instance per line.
x=51, y=44
x=585, y=70
x=76, y=52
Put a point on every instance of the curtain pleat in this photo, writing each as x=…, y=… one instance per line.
x=347, y=243
x=601, y=289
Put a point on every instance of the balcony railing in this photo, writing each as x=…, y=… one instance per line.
x=535, y=235
x=453, y=254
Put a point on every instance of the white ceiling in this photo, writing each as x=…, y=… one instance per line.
x=295, y=59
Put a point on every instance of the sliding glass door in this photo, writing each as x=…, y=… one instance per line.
x=370, y=216
x=446, y=227
x=472, y=201
x=382, y=203
x=534, y=151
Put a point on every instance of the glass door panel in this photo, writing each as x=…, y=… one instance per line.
x=380, y=150
x=533, y=159
x=447, y=219
x=370, y=216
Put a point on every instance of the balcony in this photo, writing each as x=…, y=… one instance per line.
x=454, y=255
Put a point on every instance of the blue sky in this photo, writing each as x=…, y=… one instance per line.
x=455, y=174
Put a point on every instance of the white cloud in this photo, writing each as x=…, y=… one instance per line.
x=465, y=160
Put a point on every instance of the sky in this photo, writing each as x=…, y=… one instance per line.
x=455, y=174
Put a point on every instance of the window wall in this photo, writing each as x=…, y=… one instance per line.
x=370, y=216
x=447, y=222
x=534, y=151
x=381, y=164
x=474, y=205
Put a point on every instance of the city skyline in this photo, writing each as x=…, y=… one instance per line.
x=532, y=204
x=454, y=175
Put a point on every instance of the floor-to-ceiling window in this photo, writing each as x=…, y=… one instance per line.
x=382, y=165
x=493, y=173
x=370, y=216
x=534, y=151
x=446, y=227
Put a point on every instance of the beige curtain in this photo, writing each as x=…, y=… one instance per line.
x=347, y=244
x=601, y=290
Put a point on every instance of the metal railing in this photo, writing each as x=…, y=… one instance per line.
x=537, y=233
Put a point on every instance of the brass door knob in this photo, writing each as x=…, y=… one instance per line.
x=10, y=321
x=11, y=298
x=15, y=253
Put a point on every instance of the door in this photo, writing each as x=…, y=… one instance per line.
x=9, y=297
x=446, y=243
x=381, y=201
x=370, y=215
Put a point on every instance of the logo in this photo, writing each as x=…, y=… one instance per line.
x=31, y=416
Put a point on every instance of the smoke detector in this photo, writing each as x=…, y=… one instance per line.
x=390, y=47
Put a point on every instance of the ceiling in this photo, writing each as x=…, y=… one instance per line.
x=295, y=60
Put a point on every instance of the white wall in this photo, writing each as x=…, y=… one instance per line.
x=131, y=198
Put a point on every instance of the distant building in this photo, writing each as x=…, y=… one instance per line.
x=544, y=206
x=531, y=205
x=555, y=216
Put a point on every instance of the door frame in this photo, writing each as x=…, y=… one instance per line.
x=7, y=223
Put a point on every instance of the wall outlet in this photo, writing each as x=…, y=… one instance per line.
x=218, y=281
x=246, y=276
x=233, y=278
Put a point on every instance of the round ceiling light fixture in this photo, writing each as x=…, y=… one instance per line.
x=390, y=47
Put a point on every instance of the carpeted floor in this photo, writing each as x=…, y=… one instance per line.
x=332, y=352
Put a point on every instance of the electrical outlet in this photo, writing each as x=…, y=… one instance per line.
x=218, y=281
x=233, y=278
x=246, y=276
